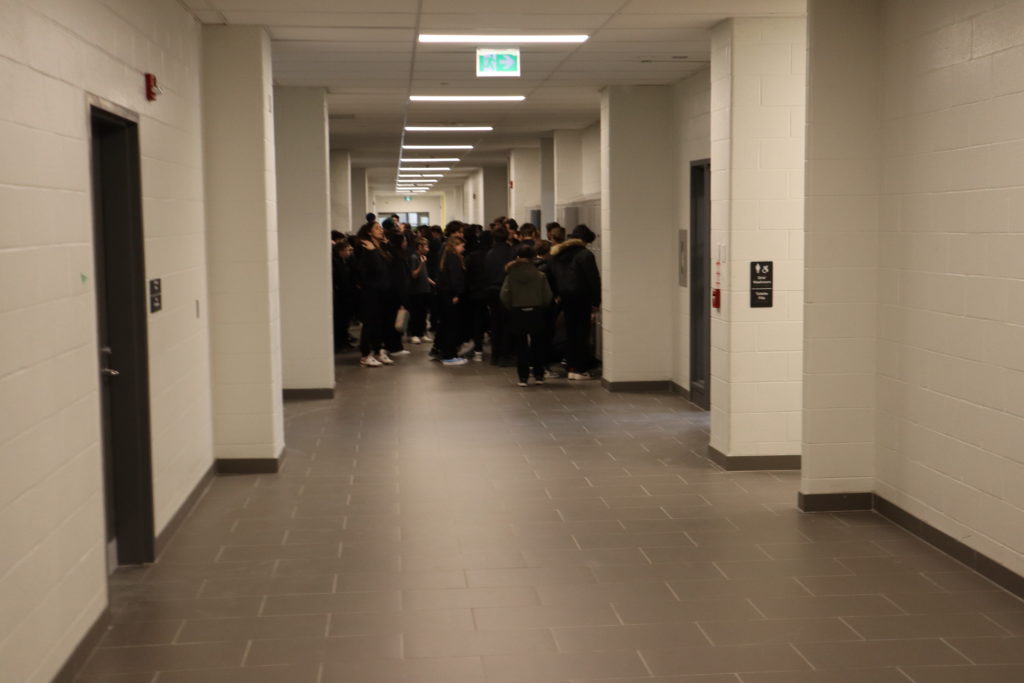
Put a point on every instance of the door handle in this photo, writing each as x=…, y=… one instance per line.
x=109, y=372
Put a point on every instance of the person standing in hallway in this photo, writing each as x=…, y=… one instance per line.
x=451, y=287
x=344, y=291
x=419, y=293
x=500, y=254
x=475, y=304
x=374, y=272
x=578, y=288
x=397, y=296
x=556, y=233
x=526, y=295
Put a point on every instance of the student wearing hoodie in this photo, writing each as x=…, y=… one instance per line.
x=500, y=254
x=451, y=287
x=526, y=294
x=577, y=283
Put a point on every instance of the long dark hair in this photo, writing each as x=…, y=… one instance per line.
x=449, y=248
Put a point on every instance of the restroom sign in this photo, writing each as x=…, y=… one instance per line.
x=491, y=62
x=762, y=274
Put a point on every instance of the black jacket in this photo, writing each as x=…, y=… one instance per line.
x=373, y=269
x=476, y=275
x=575, y=273
x=451, y=278
x=494, y=264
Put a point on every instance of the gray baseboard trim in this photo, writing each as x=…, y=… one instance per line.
x=983, y=564
x=165, y=536
x=657, y=386
x=307, y=394
x=680, y=390
x=76, y=661
x=753, y=463
x=249, y=465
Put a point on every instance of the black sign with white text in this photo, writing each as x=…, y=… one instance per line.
x=761, y=287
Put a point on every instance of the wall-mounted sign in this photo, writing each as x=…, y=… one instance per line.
x=761, y=288
x=491, y=62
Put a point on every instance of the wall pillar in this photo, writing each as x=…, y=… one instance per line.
x=757, y=152
x=524, y=183
x=341, y=191
x=495, y=192
x=360, y=202
x=638, y=232
x=241, y=217
x=568, y=162
x=547, y=181
x=303, y=219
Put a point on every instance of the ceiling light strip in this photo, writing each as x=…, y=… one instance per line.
x=466, y=98
x=481, y=39
x=437, y=146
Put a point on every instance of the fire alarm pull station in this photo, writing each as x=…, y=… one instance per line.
x=716, y=290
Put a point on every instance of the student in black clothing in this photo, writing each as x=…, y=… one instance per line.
x=396, y=298
x=578, y=287
x=526, y=294
x=344, y=293
x=451, y=287
x=374, y=271
x=494, y=268
x=475, y=303
x=420, y=288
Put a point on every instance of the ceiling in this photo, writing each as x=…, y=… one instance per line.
x=367, y=56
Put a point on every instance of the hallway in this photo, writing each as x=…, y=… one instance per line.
x=442, y=525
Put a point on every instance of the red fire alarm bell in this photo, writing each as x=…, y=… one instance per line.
x=152, y=89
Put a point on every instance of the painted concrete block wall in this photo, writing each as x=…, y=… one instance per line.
x=638, y=255
x=341, y=191
x=303, y=236
x=52, y=567
x=473, y=199
x=951, y=287
x=547, y=180
x=691, y=140
x=494, y=192
x=843, y=175
x=568, y=151
x=360, y=200
x=590, y=171
x=758, y=77
x=524, y=177
x=241, y=215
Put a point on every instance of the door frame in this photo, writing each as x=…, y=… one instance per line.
x=125, y=397
x=700, y=293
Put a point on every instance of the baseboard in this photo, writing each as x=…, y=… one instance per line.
x=80, y=655
x=680, y=391
x=958, y=550
x=657, y=386
x=307, y=394
x=834, y=502
x=165, y=536
x=753, y=463
x=249, y=465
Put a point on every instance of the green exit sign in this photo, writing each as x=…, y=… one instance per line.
x=492, y=62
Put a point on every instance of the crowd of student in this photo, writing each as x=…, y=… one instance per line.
x=533, y=299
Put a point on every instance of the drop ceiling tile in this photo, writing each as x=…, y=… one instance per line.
x=522, y=21
x=314, y=5
x=378, y=37
x=720, y=8
x=323, y=19
x=209, y=16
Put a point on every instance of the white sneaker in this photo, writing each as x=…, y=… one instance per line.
x=384, y=358
x=521, y=384
x=454, y=361
x=370, y=362
x=403, y=352
x=415, y=340
x=465, y=349
x=580, y=375
x=427, y=339
x=478, y=356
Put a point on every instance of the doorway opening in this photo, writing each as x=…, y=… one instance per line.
x=700, y=283
x=121, y=301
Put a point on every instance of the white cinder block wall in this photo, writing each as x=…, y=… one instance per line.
x=951, y=314
x=341, y=191
x=52, y=568
x=691, y=103
x=524, y=183
x=758, y=83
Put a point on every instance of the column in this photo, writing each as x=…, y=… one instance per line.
x=638, y=235
x=844, y=213
x=495, y=192
x=304, y=220
x=568, y=171
x=547, y=180
x=241, y=218
x=524, y=183
x=341, y=191
x=360, y=204
x=757, y=152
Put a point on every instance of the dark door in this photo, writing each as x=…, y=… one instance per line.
x=121, y=322
x=700, y=283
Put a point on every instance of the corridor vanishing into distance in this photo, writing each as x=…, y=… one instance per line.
x=442, y=525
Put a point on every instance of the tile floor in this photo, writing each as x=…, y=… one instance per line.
x=442, y=525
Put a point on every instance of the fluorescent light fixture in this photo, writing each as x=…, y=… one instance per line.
x=437, y=146
x=479, y=39
x=466, y=98
x=409, y=175
x=429, y=161
x=448, y=129
x=424, y=168
x=433, y=175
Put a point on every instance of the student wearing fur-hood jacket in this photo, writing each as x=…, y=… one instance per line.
x=577, y=284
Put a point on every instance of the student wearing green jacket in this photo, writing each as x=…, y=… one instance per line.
x=526, y=293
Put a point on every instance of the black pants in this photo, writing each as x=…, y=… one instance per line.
x=342, y=319
x=500, y=342
x=419, y=304
x=390, y=337
x=475, y=316
x=449, y=332
x=371, y=311
x=527, y=330
x=577, y=331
